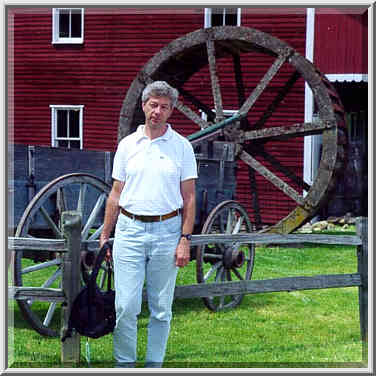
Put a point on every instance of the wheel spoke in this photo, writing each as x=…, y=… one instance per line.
x=284, y=132
x=82, y=197
x=52, y=279
x=191, y=115
x=247, y=105
x=49, y=314
x=236, y=272
x=61, y=203
x=41, y=266
x=93, y=215
x=285, y=170
x=275, y=180
x=200, y=105
x=229, y=222
x=50, y=223
x=97, y=233
x=238, y=225
x=216, y=90
x=277, y=100
x=213, y=269
x=240, y=87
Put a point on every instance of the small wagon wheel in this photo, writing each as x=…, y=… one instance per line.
x=261, y=78
x=225, y=262
x=82, y=192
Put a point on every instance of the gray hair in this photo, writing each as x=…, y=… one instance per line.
x=160, y=89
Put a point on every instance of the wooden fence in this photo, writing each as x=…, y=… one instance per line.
x=72, y=246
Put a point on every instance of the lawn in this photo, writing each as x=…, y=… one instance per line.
x=301, y=329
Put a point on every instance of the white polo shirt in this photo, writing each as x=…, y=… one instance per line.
x=152, y=171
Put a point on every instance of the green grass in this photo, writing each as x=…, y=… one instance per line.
x=308, y=329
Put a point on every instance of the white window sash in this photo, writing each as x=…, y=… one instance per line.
x=208, y=17
x=55, y=28
x=54, y=138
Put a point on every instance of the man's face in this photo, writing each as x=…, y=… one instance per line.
x=157, y=110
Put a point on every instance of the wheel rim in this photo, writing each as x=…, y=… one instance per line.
x=258, y=140
x=225, y=262
x=83, y=192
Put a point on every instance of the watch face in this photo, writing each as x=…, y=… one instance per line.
x=187, y=236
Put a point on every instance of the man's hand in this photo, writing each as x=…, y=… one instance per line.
x=182, y=254
x=102, y=241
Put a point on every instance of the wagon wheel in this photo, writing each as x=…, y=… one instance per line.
x=258, y=76
x=81, y=192
x=225, y=262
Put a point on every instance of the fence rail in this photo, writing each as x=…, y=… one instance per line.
x=72, y=246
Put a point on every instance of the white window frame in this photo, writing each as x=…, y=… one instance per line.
x=208, y=17
x=56, y=39
x=54, y=139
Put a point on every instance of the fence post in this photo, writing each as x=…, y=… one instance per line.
x=362, y=232
x=71, y=226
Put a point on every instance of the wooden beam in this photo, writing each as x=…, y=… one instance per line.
x=257, y=238
x=37, y=293
x=362, y=231
x=36, y=244
x=201, y=290
x=71, y=220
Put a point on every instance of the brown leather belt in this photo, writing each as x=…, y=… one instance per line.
x=151, y=218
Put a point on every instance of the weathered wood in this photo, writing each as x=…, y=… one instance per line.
x=247, y=105
x=274, y=179
x=362, y=231
x=71, y=223
x=264, y=286
x=216, y=90
x=301, y=129
x=36, y=244
x=39, y=293
x=257, y=238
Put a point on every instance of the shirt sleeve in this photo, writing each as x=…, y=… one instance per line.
x=119, y=165
x=189, y=166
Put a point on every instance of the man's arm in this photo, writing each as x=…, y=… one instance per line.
x=189, y=208
x=111, y=212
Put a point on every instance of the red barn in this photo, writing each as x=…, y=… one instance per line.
x=70, y=69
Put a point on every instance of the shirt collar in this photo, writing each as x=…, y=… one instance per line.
x=141, y=135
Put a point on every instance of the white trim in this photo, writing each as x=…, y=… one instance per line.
x=310, y=148
x=55, y=28
x=347, y=77
x=207, y=17
x=54, y=108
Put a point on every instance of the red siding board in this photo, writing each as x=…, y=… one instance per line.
x=341, y=42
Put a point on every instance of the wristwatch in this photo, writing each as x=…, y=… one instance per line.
x=187, y=236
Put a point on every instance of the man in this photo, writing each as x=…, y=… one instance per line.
x=152, y=202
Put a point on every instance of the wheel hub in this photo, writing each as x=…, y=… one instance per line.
x=233, y=258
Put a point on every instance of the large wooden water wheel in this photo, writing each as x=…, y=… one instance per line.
x=257, y=75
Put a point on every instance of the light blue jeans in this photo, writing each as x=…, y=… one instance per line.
x=144, y=250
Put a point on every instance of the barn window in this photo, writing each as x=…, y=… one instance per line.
x=222, y=17
x=66, y=126
x=68, y=25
